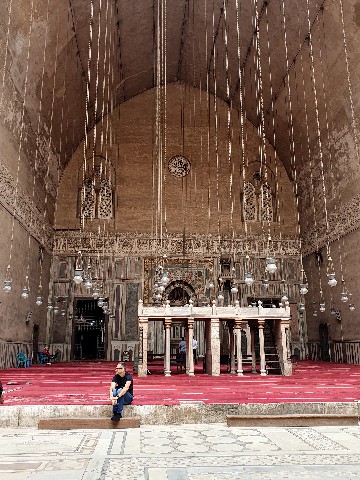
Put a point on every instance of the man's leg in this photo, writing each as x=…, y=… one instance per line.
x=121, y=401
x=128, y=398
x=115, y=393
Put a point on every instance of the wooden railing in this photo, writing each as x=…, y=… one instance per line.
x=347, y=351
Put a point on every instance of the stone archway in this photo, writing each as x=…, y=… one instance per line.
x=179, y=293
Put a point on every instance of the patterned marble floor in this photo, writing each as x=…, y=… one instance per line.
x=189, y=452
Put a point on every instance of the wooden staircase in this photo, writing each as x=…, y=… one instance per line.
x=271, y=355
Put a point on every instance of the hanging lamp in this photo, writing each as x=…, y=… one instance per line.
x=78, y=275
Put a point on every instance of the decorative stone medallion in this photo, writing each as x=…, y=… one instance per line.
x=179, y=166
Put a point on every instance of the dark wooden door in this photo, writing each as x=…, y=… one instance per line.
x=324, y=342
x=35, y=342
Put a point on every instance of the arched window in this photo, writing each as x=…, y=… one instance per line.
x=105, y=199
x=250, y=208
x=267, y=210
x=88, y=199
x=96, y=189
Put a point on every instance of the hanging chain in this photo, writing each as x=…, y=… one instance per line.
x=216, y=115
x=16, y=194
x=244, y=161
x=38, y=129
x=6, y=49
x=319, y=142
x=228, y=126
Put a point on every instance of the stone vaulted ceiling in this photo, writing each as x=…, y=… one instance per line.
x=207, y=43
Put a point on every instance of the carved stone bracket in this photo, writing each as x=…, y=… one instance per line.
x=342, y=222
x=24, y=210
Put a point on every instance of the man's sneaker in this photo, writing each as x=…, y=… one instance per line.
x=116, y=417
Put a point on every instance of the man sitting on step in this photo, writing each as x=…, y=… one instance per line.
x=121, y=391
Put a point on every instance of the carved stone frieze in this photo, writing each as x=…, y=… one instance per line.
x=24, y=210
x=128, y=244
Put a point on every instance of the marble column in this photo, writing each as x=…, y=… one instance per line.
x=239, y=370
x=253, y=353
x=215, y=346
x=189, y=348
x=231, y=346
x=208, y=346
x=284, y=351
x=261, y=324
x=143, y=340
x=167, y=370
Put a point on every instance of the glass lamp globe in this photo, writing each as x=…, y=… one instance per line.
x=211, y=285
x=351, y=306
x=50, y=306
x=344, y=297
x=234, y=289
x=56, y=310
x=304, y=288
x=331, y=279
x=25, y=293
x=100, y=301
x=7, y=286
x=271, y=265
x=249, y=279
x=322, y=307
x=301, y=307
x=78, y=276
x=165, y=278
x=38, y=300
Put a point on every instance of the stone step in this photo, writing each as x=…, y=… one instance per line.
x=87, y=423
x=291, y=420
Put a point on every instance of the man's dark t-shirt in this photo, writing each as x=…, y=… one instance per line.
x=120, y=381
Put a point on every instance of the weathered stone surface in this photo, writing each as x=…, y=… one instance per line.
x=29, y=416
x=87, y=423
x=291, y=420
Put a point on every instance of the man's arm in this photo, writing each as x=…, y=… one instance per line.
x=125, y=388
x=112, y=386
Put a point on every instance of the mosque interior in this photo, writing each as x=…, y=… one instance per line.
x=178, y=154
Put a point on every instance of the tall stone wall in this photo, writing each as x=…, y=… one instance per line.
x=206, y=201
x=28, y=183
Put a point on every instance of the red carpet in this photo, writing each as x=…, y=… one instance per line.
x=88, y=383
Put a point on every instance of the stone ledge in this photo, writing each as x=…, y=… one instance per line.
x=26, y=416
x=87, y=423
x=291, y=420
